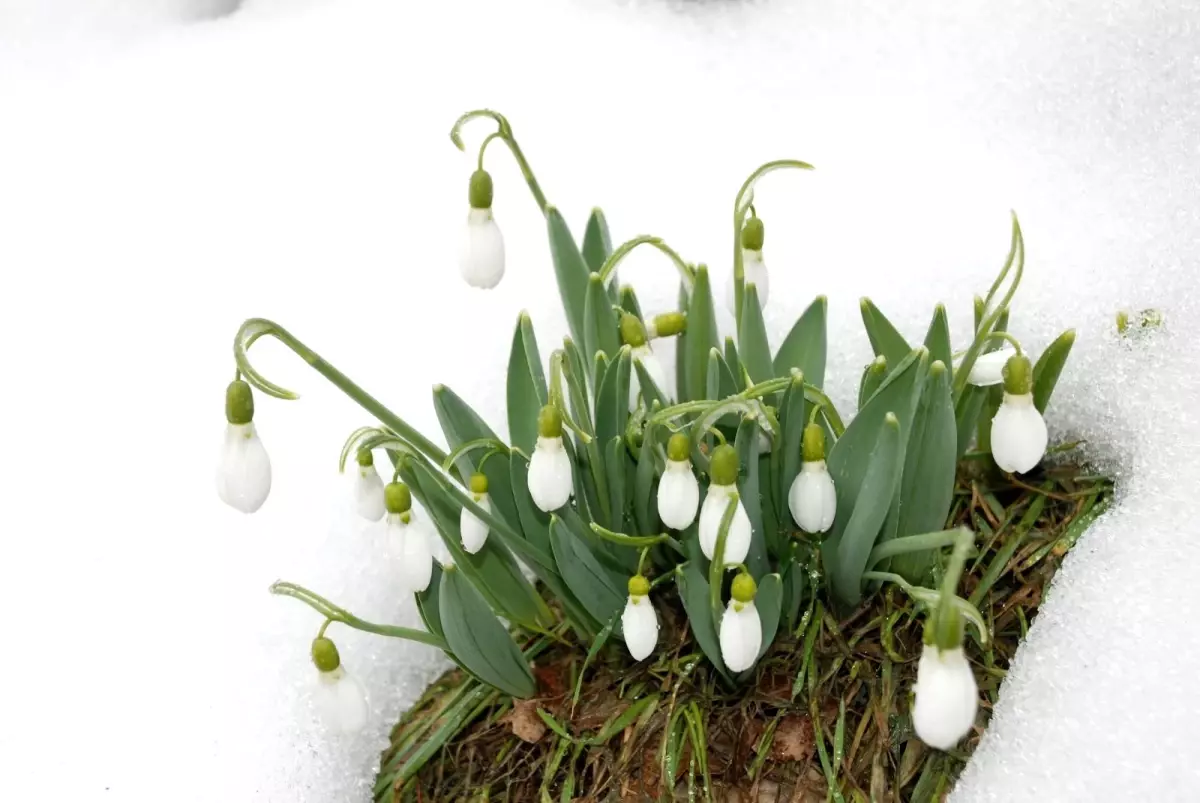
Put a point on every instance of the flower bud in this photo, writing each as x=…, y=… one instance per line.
x=723, y=468
x=946, y=697
x=669, y=324
x=812, y=499
x=743, y=588
x=639, y=586
x=740, y=635
x=639, y=620
x=1019, y=436
x=479, y=195
x=679, y=447
x=397, y=498
x=633, y=333
x=325, y=654
x=472, y=529
x=753, y=234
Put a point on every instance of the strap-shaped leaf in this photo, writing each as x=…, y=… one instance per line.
x=772, y=508
x=885, y=338
x=870, y=510
x=612, y=402
x=795, y=584
x=752, y=338
x=645, y=502
x=793, y=417
x=600, y=589
x=805, y=346
x=748, y=489
x=927, y=484
x=534, y=522
x=693, y=590
x=570, y=270
x=575, y=375
x=701, y=335
x=478, y=639
x=966, y=414
x=427, y=603
x=1048, y=368
x=526, y=387
x=937, y=340
x=599, y=320
x=734, y=360
x=597, y=243
x=769, y=603
x=649, y=390
x=872, y=377
x=629, y=302
x=619, y=468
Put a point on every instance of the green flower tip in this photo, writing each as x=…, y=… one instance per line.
x=743, y=589
x=670, y=324
x=944, y=629
x=638, y=586
x=813, y=443
x=397, y=497
x=937, y=369
x=679, y=447
x=891, y=420
x=479, y=483
x=480, y=193
x=365, y=458
x=239, y=402
x=752, y=234
x=878, y=365
x=632, y=331
x=1018, y=375
x=549, y=422
x=723, y=469
x=325, y=654
x=1122, y=321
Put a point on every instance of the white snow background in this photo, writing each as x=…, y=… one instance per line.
x=163, y=177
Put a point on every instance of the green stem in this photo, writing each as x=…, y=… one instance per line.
x=716, y=569
x=559, y=400
x=255, y=328
x=638, y=541
x=915, y=543
x=740, y=209
x=503, y=132
x=1006, y=336
x=470, y=446
x=610, y=264
x=335, y=614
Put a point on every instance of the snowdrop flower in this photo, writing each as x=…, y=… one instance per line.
x=244, y=469
x=407, y=539
x=946, y=697
x=473, y=530
x=339, y=697
x=989, y=368
x=754, y=270
x=550, y=466
x=812, y=497
x=639, y=621
x=678, y=489
x=741, y=627
x=723, y=471
x=633, y=334
x=1019, y=436
x=368, y=488
x=481, y=257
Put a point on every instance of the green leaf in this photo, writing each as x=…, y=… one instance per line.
x=850, y=457
x=600, y=589
x=701, y=334
x=966, y=414
x=804, y=347
x=771, y=507
x=734, y=361
x=478, y=639
x=597, y=244
x=629, y=302
x=885, y=339
x=534, y=522
x=927, y=484
x=792, y=420
x=570, y=270
x=645, y=503
x=650, y=392
x=1048, y=368
x=526, y=387
x=612, y=402
x=752, y=337
x=748, y=489
x=769, y=603
x=795, y=583
x=599, y=369
x=872, y=378
x=871, y=508
x=681, y=353
x=576, y=376
x=599, y=321
x=616, y=461
x=427, y=603
x=693, y=590
x=937, y=340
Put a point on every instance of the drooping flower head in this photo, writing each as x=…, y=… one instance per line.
x=339, y=698
x=946, y=695
x=812, y=497
x=368, y=487
x=723, y=472
x=481, y=259
x=407, y=539
x=473, y=530
x=550, y=465
x=633, y=334
x=639, y=621
x=678, y=488
x=741, y=626
x=1019, y=436
x=244, y=469
x=754, y=269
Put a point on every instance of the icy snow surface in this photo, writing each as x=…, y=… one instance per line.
x=162, y=181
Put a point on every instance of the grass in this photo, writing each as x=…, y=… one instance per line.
x=825, y=718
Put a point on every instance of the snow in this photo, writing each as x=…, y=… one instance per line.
x=166, y=174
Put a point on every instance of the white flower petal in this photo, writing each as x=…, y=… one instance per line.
x=473, y=530
x=481, y=258
x=988, y=368
x=368, y=494
x=409, y=545
x=244, y=469
x=1019, y=436
x=812, y=497
x=737, y=542
x=639, y=624
x=741, y=636
x=340, y=701
x=678, y=495
x=754, y=271
x=549, y=474
x=946, y=697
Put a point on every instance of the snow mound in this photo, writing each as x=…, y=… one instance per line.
x=293, y=162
